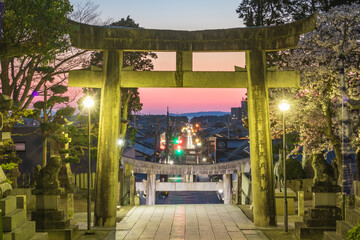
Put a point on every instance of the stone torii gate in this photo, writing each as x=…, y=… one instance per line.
x=113, y=41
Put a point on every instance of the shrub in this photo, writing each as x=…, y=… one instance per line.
x=294, y=169
x=354, y=234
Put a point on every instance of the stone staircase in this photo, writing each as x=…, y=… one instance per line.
x=15, y=223
x=352, y=218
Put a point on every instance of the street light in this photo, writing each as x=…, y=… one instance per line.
x=89, y=103
x=284, y=106
x=120, y=142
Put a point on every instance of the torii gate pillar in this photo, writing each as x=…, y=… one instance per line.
x=109, y=130
x=260, y=140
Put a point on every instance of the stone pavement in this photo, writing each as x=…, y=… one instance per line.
x=211, y=221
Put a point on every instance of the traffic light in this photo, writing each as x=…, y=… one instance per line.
x=178, y=141
x=178, y=150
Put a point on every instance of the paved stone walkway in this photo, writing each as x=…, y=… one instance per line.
x=210, y=221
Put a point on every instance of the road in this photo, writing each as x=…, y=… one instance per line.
x=192, y=153
x=189, y=198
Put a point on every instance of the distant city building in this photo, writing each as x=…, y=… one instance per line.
x=236, y=113
x=244, y=112
x=231, y=149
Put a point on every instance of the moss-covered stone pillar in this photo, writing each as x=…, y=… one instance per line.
x=108, y=151
x=260, y=140
x=132, y=190
x=151, y=189
x=227, y=188
x=239, y=188
x=121, y=185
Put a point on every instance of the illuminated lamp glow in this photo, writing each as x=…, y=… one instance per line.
x=284, y=105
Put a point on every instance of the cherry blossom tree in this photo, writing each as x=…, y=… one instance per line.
x=316, y=105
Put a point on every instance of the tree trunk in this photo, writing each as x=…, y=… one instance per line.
x=334, y=141
x=44, y=151
x=5, y=81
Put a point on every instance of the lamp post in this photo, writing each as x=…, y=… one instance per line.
x=89, y=103
x=284, y=106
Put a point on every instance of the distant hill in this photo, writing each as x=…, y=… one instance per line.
x=199, y=114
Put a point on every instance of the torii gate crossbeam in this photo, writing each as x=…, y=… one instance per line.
x=254, y=41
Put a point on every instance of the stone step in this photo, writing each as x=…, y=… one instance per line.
x=319, y=222
x=324, y=213
x=352, y=216
x=304, y=232
x=332, y=236
x=70, y=233
x=24, y=232
x=48, y=224
x=7, y=236
x=356, y=187
x=342, y=228
x=357, y=203
x=8, y=205
x=14, y=220
x=40, y=236
x=35, y=236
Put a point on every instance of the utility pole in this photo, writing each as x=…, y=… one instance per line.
x=167, y=137
x=228, y=125
x=156, y=139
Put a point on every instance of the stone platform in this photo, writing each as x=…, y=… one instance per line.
x=14, y=221
x=49, y=218
x=279, y=201
x=322, y=216
x=210, y=221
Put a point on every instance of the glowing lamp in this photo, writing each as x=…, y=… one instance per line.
x=88, y=102
x=120, y=142
x=284, y=105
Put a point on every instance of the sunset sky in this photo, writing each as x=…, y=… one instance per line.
x=183, y=15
